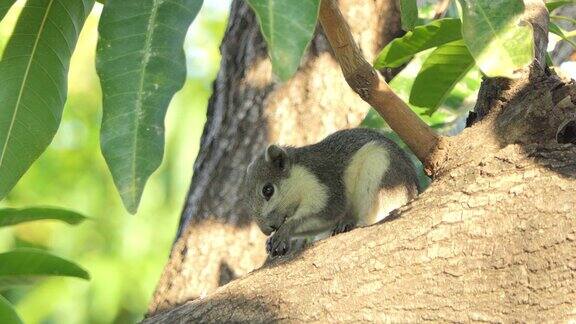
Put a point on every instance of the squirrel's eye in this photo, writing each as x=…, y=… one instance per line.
x=267, y=191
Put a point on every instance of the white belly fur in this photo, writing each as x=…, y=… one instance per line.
x=363, y=178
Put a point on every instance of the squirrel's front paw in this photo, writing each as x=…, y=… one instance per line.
x=344, y=226
x=277, y=244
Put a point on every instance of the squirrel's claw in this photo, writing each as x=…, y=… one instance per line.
x=343, y=227
x=276, y=245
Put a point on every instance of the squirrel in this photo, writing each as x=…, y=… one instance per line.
x=354, y=177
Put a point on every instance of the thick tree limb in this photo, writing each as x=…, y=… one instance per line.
x=372, y=88
x=495, y=243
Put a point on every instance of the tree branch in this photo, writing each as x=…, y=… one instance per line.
x=373, y=89
x=441, y=8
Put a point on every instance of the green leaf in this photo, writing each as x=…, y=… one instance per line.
x=441, y=71
x=141, y=63
x=5, y=5
x=33, y=75
x=12, y=216
x=22, y=266
x=409, y=12
x=8, y=313
x=549, y=60
x=552, y=5
x=570, y=20
x=287, y=27
x=402, y=84
x=401, y=50
x=498, y=40
x=555, y=29
x=466, y=88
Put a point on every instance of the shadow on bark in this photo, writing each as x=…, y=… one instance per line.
x=536, y=111
x=250, y=310
x=226, y=274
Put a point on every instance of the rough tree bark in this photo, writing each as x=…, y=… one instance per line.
x=492, y=239
x=248, y=109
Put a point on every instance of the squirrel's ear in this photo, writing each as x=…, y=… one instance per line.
x=277, y=156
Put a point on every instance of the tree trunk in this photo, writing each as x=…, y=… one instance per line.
x=492, y=239
x=217, y=242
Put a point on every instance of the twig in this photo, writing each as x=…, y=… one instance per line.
x=365, y=81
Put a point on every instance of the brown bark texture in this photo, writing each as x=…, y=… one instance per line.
x=493, y=239
x=249, y=109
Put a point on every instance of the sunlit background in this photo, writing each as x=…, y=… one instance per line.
x=123, y=253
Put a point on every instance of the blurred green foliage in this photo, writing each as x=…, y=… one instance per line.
x=124, y=254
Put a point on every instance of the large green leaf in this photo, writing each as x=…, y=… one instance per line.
x=466, y=88
x=552, y=5
x=5, y=6
x=409, y=12
x=33, y=79
x=21, y=266
x=497, y=39
x=11, y=216
x=141, y=64
x=441, y=71
x=8, y=313
x=401, y=50
x=288, y=27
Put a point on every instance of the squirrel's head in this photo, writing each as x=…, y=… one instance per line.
x=267, y=195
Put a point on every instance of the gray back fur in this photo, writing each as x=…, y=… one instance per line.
x=327, y=160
